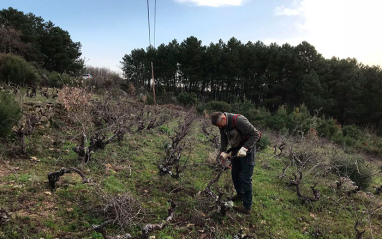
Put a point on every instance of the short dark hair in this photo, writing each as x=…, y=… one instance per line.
x=215, y=117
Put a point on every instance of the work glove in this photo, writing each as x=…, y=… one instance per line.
x=242, y=152
x=224, y=155
x=226, y=159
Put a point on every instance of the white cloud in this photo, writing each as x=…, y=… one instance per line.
x=341, y=28
x=213, y=3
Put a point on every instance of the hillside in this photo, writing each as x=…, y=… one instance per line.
x=124, y=167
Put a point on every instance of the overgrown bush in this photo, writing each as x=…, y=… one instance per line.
x=10, y=113
x=14, y=69
x=356, y=169
x=187, y=99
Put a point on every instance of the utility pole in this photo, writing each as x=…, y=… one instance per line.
x=152, y=75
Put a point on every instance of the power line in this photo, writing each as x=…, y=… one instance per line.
x=148, y=20
x=155, y=19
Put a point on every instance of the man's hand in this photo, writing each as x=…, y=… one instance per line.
x=242, y=152
x=224, y=155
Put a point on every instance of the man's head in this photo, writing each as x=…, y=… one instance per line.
x=218, y=119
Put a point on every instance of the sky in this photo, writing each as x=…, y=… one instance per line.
x=110, y=29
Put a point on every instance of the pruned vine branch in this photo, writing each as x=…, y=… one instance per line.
x=359, y=234
x=296, y=182
x=222, y=205
x=97, y=142
x=171, y=164
x=55, y=176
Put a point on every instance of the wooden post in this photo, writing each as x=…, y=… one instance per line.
x=152, y=75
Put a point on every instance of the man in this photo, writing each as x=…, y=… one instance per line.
x=239, y=133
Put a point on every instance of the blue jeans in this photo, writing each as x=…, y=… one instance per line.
x=242, y=171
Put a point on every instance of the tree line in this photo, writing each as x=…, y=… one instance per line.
x=267, y=75
x=39, y=42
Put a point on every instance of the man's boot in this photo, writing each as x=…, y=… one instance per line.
x=236, y=198
x=242, y=210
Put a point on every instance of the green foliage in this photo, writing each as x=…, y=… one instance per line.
x=246, y=108
x=10, y=113
x=149, y=99
x=213, y=106
x=279, y=120
x=300, y=119
x=164, y=129
x=352, y=131
x=14, y=69
x=354, y=168
x=264, y=142
x=328, y=127
x=131, y=166
x=187, y=99
x=166, y=98
x=55, y=79
x=113, y=185
x=42, y=42
x=261, y=116
x=268, y=75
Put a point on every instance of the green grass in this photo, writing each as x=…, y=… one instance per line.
x=130, y=167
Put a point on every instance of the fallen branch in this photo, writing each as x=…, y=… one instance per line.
x=159, y=226
x=55, y=176
x=146, y=230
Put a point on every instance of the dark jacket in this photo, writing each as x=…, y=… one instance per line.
x=244, y=134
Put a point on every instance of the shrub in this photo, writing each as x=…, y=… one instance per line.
x=10, y=113
x=264, y=142
x=327, y=127
x=300, y=119
x=352, y=131
x=279, y=120
x=74, y=99
x=14, y=69
x=187, y=99
x=261, y=116
x=213, y=106
x=149, y=99
x=356, y=169
x=246, y=108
